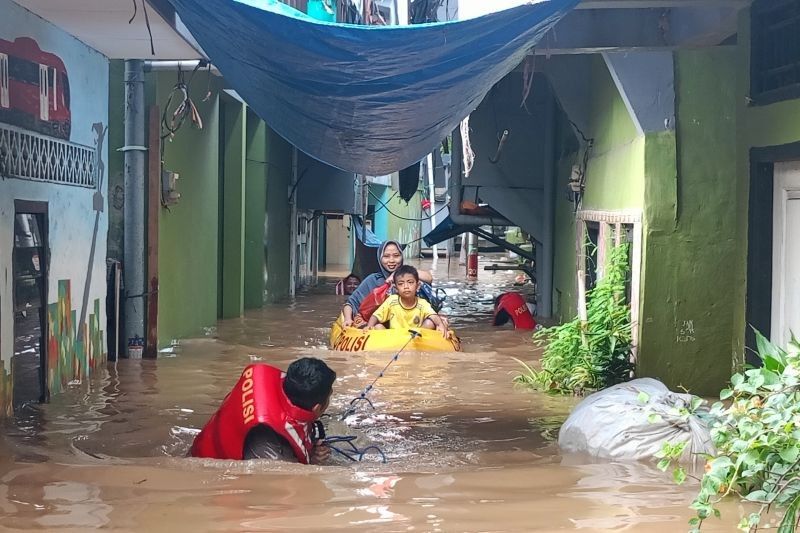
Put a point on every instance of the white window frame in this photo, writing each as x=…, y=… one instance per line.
x=44, y=92
x=5, y=101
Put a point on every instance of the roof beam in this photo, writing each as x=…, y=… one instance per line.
x=661, y=4
x=614, y=30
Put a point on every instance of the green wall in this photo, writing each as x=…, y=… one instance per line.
x=187, y=259
x=616, y=164
x=406, y=231
x=614, y=178
x=279, y=171
x=690, y=237
x=565, y=288
x=233, y=189
x=758, y=126
x=255, y=211
x=116, y=160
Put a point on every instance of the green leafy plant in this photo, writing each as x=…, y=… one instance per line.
x=757, y=436
x=592, y=354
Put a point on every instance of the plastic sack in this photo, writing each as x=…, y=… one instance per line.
x=615, y=423
x=374, y=300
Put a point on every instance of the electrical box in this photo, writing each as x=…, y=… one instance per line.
x=169, y=187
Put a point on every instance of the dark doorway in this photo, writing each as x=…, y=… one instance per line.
x=30, y=265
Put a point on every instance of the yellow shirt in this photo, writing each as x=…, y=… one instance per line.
x=399, y=317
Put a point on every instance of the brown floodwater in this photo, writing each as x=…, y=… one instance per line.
x=466, y=450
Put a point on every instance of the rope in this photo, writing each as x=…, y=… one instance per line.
x=355, y=453
x=384, y=206
x=363, y=396
x=466, y=147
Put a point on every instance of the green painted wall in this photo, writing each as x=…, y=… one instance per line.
x=565, y=288
x=255, y=212
x=758, y=126
x=116, y=160
x=279, y=171
x=690, y=236
x=233, y=185
x=406, y=231
x=616, y=164
x=187, y=259
x=614, y=179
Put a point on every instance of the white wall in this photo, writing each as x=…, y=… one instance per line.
x=71, y=214
x=468, y=9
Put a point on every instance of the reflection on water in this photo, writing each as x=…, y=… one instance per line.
x=467, y=452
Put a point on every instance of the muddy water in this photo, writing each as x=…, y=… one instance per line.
x=466, y=451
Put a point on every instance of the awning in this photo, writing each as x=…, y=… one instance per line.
x=365, y=99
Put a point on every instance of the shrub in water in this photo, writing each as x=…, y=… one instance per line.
x=757, y=436
x=592, y=354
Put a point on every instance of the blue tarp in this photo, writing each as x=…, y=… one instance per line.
x=365, y=99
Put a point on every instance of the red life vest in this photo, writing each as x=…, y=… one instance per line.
x=511, y=305
x=257, y=399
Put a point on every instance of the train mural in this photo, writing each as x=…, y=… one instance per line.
x=34, y=89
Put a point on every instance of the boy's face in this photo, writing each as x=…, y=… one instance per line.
x=406, y=286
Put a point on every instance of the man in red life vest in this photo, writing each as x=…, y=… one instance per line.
x=270, y=414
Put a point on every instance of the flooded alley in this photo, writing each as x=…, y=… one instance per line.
x=465, y=450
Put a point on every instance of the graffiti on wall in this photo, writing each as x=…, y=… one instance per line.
x=73, y=348
x=34, y=89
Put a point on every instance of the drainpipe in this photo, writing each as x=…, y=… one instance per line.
x=457, y=193
x=153, y=66
x=135, y=159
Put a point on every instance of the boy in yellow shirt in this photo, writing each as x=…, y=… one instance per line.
x=405, y=309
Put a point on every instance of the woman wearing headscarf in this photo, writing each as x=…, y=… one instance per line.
x=390, y=257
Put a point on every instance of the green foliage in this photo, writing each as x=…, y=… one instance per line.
x=757, y=436
x=589, y=355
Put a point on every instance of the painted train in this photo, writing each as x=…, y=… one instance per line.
x=34, y=89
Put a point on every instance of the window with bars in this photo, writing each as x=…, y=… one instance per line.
x=30, y=156
x=775, y=51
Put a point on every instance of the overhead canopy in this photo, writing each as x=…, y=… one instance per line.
x=365, y=99
x=446, y=229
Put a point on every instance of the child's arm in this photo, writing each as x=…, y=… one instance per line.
x=379, y=316
x=373, y=321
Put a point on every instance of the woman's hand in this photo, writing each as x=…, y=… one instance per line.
x=347, y=316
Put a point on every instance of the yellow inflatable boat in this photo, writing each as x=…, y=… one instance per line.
x=387, y=340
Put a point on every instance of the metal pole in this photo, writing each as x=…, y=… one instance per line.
x=315, y=248
x=432, y=199
x=135, y=160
